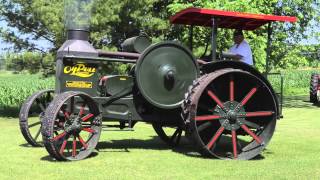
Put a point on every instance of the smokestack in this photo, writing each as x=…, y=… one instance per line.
x=77, y=14
x=78, y=34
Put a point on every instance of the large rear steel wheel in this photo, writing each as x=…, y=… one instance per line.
x=315, y=88
x=31, y=114
x=231, y=114
x=71, y=126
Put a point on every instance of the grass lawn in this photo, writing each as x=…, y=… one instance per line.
x=293, y=153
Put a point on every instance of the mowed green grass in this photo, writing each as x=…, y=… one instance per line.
x=293, y=153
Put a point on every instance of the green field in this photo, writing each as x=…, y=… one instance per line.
x=296, y=82
x=15, y=88
x=292, y=154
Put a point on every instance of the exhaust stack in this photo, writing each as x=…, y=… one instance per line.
x=77, y=15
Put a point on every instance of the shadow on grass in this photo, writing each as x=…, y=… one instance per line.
x=298, y=102
x=27, y=145
x=155, y=143
x=124, y=145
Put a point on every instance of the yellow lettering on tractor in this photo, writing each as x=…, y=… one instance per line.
x=79, y=84
x=80, y=70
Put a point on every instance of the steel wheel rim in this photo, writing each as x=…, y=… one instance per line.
x=211, y=143
x=30, y=116
x=74, y=129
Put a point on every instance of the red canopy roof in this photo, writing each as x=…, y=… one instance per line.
x=225, y=19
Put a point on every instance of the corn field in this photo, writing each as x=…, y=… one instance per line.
x=14, y=89
x=296, y=82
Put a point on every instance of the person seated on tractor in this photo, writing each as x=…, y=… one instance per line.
x=241, y=48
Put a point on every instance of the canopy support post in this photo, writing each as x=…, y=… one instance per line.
x=214, y=39
x=269, y=41
x=191, y=37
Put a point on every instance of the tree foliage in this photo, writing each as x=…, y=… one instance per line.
x=285, y=36
x=114, y=21
x=32, y=62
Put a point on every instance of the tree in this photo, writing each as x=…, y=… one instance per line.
x=30, y=21
x=26, y=61
x=285, y=37
x=114, y=21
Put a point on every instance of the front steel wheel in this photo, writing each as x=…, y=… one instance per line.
x=231, y=114
x=71, y=126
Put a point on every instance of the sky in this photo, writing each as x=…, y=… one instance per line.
x=43, y=44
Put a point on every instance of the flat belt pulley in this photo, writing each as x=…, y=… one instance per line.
x=164, y=72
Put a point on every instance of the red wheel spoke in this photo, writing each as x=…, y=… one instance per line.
x=59, y=136
x=82, y=110
x=234, y=144
x=215, y=98
x=259, y=113
x=82, y=142
x=87, y=117
x=231, y=89
x=63, y=147
x=248, y=97
x=74, y=147
x=215, y=137
x=255, y=137
x=206, y=118
x=89, y=130
x=66, y=114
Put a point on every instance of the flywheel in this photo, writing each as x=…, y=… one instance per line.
x=164, y=72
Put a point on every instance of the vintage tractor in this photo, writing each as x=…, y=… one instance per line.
x=226, y=108
x=315, y=88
